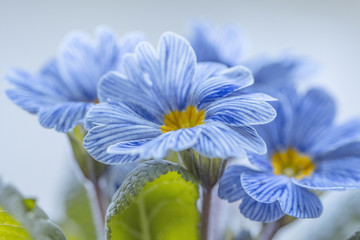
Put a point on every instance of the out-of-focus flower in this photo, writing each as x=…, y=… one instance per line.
x=166, y=101
x=306, y=151
x=228, y=46
x=66, y=88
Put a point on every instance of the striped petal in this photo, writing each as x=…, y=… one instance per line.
x=209, y=89
x=264, y=187
x=230, y=184
x=349, y=150
x=261, y=212
x=158, y=147
x=31, y=91
x=160, y=80
x=100, y=138
x=315, y=112
x=219, y=141
x=277, y=133
x=82, y=62
x=300, y=203
x=129, y=42
x=177, y=61
x=250, y=140
x=260, y=161
x=336, y=137
x=63, y=116
x=116, y=87
x=239, y=111
x=113, y=113
x=335, y=174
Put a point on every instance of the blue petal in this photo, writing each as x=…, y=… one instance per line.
x=300, y=203
x=335, y=174
x=203, y=40
x=161, y=82
x=219, y=141
x=129, y=42
x=158, y=147
x=336, y=137
x=82, y=62
x=206, y=70
x=177, y=61
x=100, y=138
x=225, y=46
x=31, y=92
x=111, y=113
x=116, y=87
x=277, y=134
x=113, y=124
x=63, y=116
x=261, y=212
x=230, y=184
x=224, y=83
x=239, y=111
x=280, y=71
x=315, y=113
x=260, y=161
x=264, y=187
x=349, y=150
x=250, y=140
x=232, y=45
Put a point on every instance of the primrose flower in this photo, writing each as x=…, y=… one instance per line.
x=66, y=87
x=306, y=151
x=164, y=101
x=229, y=45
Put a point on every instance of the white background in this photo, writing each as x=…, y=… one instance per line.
x=37, y=160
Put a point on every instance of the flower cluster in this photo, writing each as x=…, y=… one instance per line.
x=203, y=99
x=165, y=101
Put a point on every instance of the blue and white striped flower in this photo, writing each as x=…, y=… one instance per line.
x=306, y=151
x=229, y=46
x=164, y=101
x=66, y=88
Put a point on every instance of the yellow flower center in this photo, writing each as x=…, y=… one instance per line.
x=292, y=164
x=188, y=118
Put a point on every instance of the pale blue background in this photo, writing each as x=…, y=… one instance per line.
x=36, y=160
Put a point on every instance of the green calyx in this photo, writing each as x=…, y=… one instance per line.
x=207, y=170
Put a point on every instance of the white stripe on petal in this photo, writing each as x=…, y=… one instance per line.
x=261, y=212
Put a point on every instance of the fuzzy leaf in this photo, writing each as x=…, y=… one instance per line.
x=156, y=201
x=21, y=219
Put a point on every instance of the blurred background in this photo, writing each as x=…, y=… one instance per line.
x=38, y=160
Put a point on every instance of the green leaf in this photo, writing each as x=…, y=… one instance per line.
x=355, y=236
x=156, y=201
x=78, y=224
x=21, y=219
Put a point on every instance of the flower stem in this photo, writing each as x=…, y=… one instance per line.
x=205, y=212
x=269, y=230
x=98, y=208
x=100, y=201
